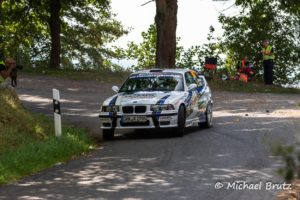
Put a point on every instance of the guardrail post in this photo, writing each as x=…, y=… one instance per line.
x=57, y=113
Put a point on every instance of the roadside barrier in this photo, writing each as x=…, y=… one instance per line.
x=57, y=113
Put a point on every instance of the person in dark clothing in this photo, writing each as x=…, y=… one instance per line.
x=5, y=71
x=268, y=61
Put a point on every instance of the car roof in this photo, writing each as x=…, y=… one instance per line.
x=181, y=71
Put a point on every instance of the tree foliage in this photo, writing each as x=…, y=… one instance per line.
x=86, y=27
x=265, y=19
x=144, y=52
x=195, y=55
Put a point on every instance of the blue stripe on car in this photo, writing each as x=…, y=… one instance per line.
x=113, y=101
x=199, y=89
x=156, y=115
x=113, y=115
x=163, y=99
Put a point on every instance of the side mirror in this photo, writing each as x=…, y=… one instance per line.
x=192, y=86
x=115, y=89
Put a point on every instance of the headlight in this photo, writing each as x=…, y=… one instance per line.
x=110, y=109
x=157, y=108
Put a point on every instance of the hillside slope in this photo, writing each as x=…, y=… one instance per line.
x=27, y=141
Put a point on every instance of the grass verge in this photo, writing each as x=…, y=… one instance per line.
x=104, y=75
x=28, y=143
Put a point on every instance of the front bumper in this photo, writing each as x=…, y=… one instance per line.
x=165, y=119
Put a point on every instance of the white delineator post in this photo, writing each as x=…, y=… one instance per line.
x=57, y=113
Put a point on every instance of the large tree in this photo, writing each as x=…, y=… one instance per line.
x=166, y=23
x=55, y=30
x=60, y=32
x=145, y=51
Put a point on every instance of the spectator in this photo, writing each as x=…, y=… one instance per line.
x=244, y=69
x=5, y=71
x=268, y=61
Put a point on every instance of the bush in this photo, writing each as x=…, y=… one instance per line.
x=291, y=157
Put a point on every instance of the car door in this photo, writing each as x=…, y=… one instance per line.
x=193, y=96
x=204, y=92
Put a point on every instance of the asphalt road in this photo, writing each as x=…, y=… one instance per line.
x=156, y=165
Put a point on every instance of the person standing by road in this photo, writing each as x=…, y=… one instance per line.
x=268, y=61
x=5, y=70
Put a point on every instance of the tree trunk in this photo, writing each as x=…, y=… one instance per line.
x=54, y=24
x=166, y=22
x=1, y=12
x=1, y=23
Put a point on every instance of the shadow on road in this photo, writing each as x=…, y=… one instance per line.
x=140, y=134
x=156, y=165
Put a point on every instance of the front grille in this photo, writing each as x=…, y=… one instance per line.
x=136, y=109
x=136, y=124
x=140, y=109
x=128, y=109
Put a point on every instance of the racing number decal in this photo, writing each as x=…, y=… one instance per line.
x=189, y=104
x=192, y=102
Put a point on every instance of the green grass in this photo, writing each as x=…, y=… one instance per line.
x=252, y=86
x=104, y=75
x=27, y=141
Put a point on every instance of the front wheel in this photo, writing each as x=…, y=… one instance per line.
x=108, y=134
x=179, y=132
x=208, y=117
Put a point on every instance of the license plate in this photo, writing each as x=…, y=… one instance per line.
x=105, y=120
x=127, y=119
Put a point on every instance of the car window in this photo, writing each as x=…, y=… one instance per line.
x=200, y=81
x=152, y=82
x=189, y=79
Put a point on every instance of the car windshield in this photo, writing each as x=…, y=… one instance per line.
x=153, y=82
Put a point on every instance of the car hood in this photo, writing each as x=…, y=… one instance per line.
x=144, y=98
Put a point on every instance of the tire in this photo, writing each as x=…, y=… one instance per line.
x=208, y=117
x=179, y=132
x=108, y=134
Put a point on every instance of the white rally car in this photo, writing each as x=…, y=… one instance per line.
x=158, y=98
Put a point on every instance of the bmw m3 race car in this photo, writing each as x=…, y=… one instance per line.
x=158, y=98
